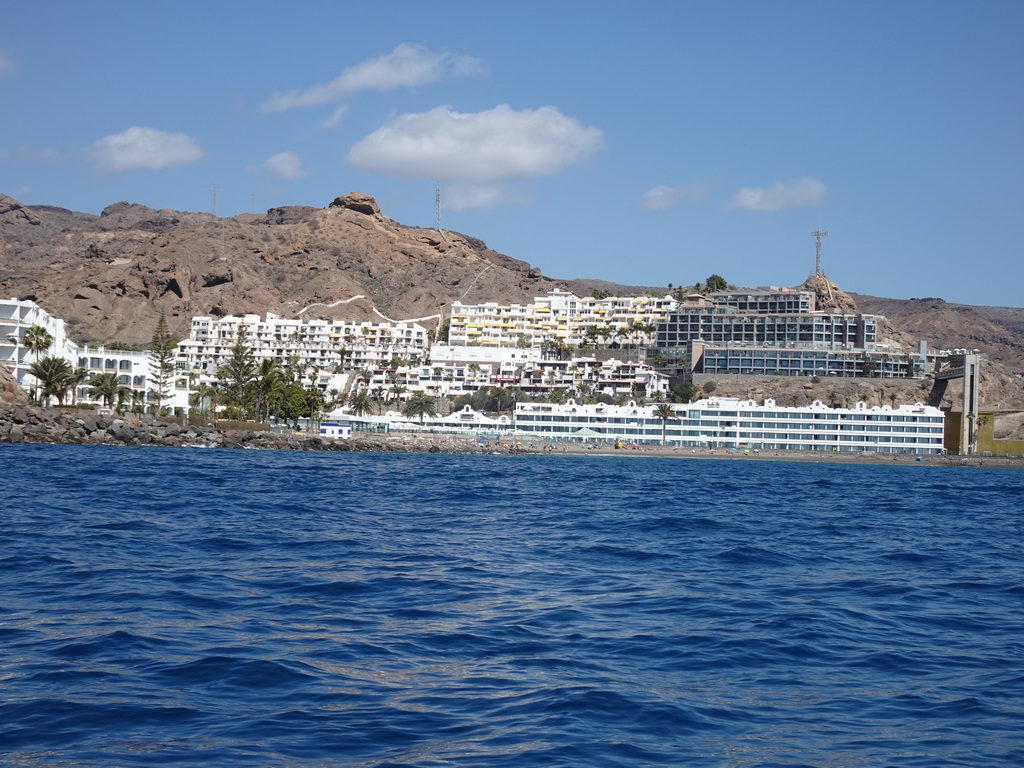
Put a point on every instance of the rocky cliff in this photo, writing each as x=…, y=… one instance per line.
x=110, y=276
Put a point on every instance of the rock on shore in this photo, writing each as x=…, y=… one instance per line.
x=24, y=424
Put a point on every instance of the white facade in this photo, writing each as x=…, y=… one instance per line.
x=133, y=369
x=336, y=430
x=730, y=423
x=16, y=317
x=458, y=370
x=559, y=316
x=324, y=344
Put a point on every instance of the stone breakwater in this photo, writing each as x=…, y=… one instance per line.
x=23, y=424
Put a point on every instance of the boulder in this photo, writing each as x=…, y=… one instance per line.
x=358, y=202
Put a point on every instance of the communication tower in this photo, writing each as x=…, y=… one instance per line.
x=437, y=212
x=818, y=234
x=437, y=207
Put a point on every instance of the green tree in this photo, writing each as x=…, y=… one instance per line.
x=379, y=395
x=37, y=340
x=265, y=387
x=664, y=412
x=54, y=376
x=315, y=401
x=294, y=403
x=716, y=283
x=202, y=398
x=420, y=406
x=397, y=390
x=106, y=387
x=162, y=350
x=684, y=392
x=78, y=377
x=868, y=366
x=360, y=402
x=237, y=376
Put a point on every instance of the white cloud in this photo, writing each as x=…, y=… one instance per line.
x=26, y=154
x=407, y=65
x=7, y=64
x=140, y=147
x=284, y=166
x=661, y=197
x=462, y=197
x=789, y=194
x=482, y=147
x=334, y=119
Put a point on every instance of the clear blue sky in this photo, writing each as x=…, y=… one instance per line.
x=643, y=143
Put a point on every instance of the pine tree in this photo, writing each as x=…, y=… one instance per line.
x=237, y=376
x=162, y=351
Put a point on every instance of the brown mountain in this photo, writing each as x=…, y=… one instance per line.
x=996, y=331
x=110, y=276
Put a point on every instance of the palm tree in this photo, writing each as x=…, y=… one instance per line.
x=104, y=386
x=54, y=374
x=421, y=404
x=315, y=404
x=361, y=402
x=267, y=375
x=397, y=390
x=202, y=399
x=78, y=377
x=138, y=399
x=379, y=394
x=37, y=339
x=124, y=396
x=664, y=412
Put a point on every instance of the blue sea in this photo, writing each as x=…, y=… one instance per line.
x=184, y=607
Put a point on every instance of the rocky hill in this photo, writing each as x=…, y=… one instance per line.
x=996, y=331
x=110, y=276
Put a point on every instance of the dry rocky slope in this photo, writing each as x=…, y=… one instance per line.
x=110, y=276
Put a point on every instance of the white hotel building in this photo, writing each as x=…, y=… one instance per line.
x=730, y=423
x=560, y=315
x=324, y=344
x=133, y=368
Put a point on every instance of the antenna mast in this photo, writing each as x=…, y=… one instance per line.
x=437, y=212
x=437, y=207
x=818, y=234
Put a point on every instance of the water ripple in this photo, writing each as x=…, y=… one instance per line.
x=168, y=607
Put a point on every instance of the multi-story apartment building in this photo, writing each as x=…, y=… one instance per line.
x=16, y=317
x=462, y=371
x=733, y=424
x=323, y=344
x=779, y=332
x=559, y=316
x=134, y=369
